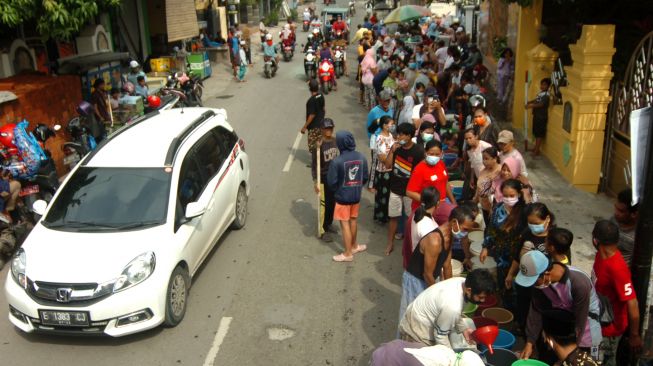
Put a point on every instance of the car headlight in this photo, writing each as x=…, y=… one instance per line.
x=18, y=265
x=137, y=271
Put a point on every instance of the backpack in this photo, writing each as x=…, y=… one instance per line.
x=605, y=314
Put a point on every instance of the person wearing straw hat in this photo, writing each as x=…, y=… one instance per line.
x=561, y=287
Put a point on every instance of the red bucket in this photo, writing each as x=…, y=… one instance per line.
x=480, y=321
x=490, y=302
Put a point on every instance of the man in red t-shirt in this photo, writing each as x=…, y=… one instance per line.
x=431, y=172
x=613, y=280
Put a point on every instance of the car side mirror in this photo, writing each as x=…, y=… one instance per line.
x=194, y=209
x=39, y=207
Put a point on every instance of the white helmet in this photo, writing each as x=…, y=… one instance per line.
x=316, y=31
x=133, y=64
x=268, y=37
x=310, y=36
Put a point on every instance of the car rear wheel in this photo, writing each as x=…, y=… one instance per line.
x=241, y=209
x=177, y=296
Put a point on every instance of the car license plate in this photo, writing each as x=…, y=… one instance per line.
x=70, y=159
x=65, y=318
x=28, y=190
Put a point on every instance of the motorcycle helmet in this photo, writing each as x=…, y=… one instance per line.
x=85, y=108
x=7, y=135
x=134, y=64
x=316, y=31
x=153, y=101
x=476, y=101
x=181, y=77
x=268, y=37
x=310, y=36
x=42, y=132
x=128, y=88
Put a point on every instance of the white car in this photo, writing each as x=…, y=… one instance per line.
x=116, y=248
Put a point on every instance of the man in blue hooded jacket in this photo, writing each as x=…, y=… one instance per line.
x=346, y=177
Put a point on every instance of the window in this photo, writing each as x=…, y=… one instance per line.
x=191, y=180
x=210, y=154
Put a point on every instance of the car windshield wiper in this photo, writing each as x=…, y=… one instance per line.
x=78, y=224
x=138, y=224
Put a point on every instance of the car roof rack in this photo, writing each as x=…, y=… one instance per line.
x=176, y=142
x=138, y=120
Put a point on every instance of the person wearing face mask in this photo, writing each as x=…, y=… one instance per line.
x=487, y=131
x=384, y=63
x=556, y=286
x=540, y=220
x=502, y=236
x=430, y=173
x=506, y=145
x=473, y=159
x=435, y=316
x=484, y=188
x=270, y=49
x=510, y=169
x=410, y=101
x=426, y=131
x=559, y=335
x=383, y=168
x=402, y=159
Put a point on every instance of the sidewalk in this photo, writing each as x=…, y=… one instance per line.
x=574, y=209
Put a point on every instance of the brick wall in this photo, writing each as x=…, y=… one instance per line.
x=43, y=99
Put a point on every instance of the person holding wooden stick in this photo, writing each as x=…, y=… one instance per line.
x=327, y=150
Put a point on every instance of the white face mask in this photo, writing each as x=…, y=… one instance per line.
x=510, y=201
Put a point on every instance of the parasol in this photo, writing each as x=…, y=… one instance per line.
x=407, y=13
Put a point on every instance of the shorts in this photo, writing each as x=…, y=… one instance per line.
x=539, y=127
x=395, y=203
x=344, y=212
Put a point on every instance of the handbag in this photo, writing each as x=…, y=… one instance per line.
x=606, y=315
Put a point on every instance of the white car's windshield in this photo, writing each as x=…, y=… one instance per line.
x=111, y=199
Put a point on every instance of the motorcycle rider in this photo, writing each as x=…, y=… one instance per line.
x=344, y=59
x=327, y=54
x=270, y=49
x=312, y=43
x=306, y=15
x=288, y=36
x=134, y=72
x=340, y=25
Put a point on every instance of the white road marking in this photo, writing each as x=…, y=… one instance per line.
x=291, y=157
x=217, y=341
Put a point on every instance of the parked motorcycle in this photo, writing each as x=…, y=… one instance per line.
x=192, y=86
x=269, y=66
x=326, y=78
x=310, y=64
x=339, y=62
x=287, y=49
x=82, y=139
x=352, y=8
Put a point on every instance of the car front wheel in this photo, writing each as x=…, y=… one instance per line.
x=177, y=296
x=241, y=209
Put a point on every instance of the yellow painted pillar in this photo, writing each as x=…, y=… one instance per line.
x=574, y=141
x=541, y=60
x=528, y=36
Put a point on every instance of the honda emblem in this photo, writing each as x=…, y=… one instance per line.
x=63, y=294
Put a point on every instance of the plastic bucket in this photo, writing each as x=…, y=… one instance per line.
x=476, y=239
x=490, y=302
x=500, y=357
x=480, y=321
x=529, y=363
x=489, y=264
x=504, y=340
x=456, y=268
x=502, y=316
x=449, y=159
x=469, y=309
x=457, y=188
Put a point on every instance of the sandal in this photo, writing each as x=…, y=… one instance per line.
x=359, y=248
x=342, y=258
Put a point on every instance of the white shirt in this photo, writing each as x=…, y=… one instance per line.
x=421, y=229
x=441, y=55
x=406, y=113
x=435, y=313
x=449, y=61
x=476, y=157
x=515, y=154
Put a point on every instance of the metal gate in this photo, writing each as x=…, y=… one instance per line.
x=633, y=92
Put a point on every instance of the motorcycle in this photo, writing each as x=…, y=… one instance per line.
x=287, y=50
x=192, y=86
x=310, y=64
x=352, y=8
x=269, y=66
x=326, y=78
x=306, y=25
x=82, y=139
x=339, y=62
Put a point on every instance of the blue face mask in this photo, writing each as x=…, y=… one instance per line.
x=460, y=234
x=412, y=65
x=432, y=160
x=537, y=228
x=402, y=142
x=427, y=137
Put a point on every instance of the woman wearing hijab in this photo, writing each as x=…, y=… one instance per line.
x=511, y=169
x=368, y=70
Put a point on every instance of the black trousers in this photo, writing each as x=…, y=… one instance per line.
x=329, y=206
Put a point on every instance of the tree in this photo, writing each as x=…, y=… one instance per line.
x=59, y=19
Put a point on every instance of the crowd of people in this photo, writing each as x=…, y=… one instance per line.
x=428, y=125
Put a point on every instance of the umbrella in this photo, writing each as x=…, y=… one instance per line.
x=407, y=13
x=359, y=34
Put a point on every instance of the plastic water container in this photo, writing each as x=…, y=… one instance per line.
x=500, y=357
x=449, y=159
x=490, y=302
x=480, y=321
x=489, y=264
x=476, y=245
x=457, y=188
x=505, y=340
x=502, y=316
x=456, y=268
x=469, y=309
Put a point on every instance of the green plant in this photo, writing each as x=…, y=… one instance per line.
x=498, y=45
x=59, y=19
x=293, y=15
x=271, y=19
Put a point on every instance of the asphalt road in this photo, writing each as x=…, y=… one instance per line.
x=269, y=294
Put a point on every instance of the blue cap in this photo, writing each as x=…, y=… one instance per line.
x=531, y=265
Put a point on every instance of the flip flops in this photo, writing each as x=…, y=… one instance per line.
x=359, y=248
x=342, y=258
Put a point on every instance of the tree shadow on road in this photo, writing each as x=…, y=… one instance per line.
x=379, y=322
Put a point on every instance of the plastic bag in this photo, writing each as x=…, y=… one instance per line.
x=30, y=153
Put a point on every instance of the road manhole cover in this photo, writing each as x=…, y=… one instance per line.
x=280, y=333
x=224, y=96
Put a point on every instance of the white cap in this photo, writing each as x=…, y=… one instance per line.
x=268, y=36
x=133, y=64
